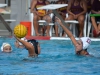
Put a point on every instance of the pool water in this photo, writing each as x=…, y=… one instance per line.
x=57, y=58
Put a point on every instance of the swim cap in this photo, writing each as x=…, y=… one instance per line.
x=22, y=39
x=86, y=42
x=4, y=45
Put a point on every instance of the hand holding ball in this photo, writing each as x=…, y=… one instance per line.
x=20, y=31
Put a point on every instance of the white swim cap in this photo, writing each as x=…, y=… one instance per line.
x=86, y=42
x=4, y=45
x=22, y=39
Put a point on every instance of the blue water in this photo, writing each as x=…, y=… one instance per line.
x=57, y=58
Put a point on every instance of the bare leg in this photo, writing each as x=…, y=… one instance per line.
x=36, y=25
x=48, y=19
x=99, y=27
x=81, y=25
x=56, y=30
x=94, y=24
x=48, y=29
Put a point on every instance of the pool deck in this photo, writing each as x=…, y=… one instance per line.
x=55, y=38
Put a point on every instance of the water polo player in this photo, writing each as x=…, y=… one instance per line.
x=32, y=46
x=81, y=45
x=6, y=47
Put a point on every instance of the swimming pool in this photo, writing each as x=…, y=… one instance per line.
x=57, y=58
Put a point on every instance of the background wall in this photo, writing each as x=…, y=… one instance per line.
x=2, y=1
x=19, y=9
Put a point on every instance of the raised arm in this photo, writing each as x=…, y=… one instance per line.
x=67, y=32
x=28, y=46
x=33, y=3
x=69, y=7
x=84, y=6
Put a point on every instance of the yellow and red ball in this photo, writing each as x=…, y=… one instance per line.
x=20, y=31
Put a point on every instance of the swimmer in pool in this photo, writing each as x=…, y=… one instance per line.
x=81, y=45
x=6, y=47
x=32, y=46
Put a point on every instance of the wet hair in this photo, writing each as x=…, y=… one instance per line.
x=79, y=52
x=85, y=49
